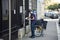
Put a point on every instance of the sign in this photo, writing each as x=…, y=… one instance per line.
x=14, y=11
x=20, y=9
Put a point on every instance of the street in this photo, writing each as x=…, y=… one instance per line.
x=49, y=34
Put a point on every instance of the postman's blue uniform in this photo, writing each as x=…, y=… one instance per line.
x=33, y=25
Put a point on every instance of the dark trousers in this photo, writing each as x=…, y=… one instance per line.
x=33, y=29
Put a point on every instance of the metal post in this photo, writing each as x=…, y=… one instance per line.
x=29, y=20
x=30, y=7
x=24, y=13
x=9, y=19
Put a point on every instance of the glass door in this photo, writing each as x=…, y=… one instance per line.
x=5, y=19
x=16, y=18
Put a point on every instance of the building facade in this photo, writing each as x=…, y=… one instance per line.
x=40, y=9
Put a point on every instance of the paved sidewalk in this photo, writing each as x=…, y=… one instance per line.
x=58, y=30
x=49, y=34
x=55, y=20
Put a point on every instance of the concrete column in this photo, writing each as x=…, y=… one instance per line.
x=40, y=9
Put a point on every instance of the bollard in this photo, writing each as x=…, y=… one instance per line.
x=21, y=33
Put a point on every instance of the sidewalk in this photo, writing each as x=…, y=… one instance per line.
x=58, y=30
x=49, y=34
x=55, y=20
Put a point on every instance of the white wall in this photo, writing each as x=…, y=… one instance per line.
x=40, y=9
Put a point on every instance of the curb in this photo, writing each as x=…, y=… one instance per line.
x=58, y=30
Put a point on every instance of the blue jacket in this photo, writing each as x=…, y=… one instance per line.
x=33, y=21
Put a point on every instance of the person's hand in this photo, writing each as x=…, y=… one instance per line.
x=26, y=18
x=32, y=18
